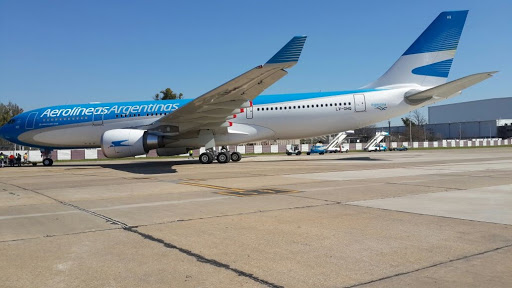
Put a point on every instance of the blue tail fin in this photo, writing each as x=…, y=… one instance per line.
x=428, y=60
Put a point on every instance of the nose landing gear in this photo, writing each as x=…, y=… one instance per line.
x=47, y=157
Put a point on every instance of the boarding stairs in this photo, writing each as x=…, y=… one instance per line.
x=336, y=142
x=375, y=140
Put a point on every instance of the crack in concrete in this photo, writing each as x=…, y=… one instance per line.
x=430, y=266
x=60, y=235
x=201, y=258
x=132, y=229
x=237, y=214
x=106, y=218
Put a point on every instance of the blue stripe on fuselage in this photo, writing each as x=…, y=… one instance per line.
x=271, y=99
x=55, y=116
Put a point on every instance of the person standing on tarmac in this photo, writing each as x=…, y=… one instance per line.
x=18, y=159
x=191, y=154
x=25, y=158
x=2, y=157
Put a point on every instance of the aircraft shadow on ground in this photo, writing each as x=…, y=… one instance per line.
x=360, y=159
x=168, y=167
x=139, y=167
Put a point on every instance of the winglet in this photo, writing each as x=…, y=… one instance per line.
x=290, y=53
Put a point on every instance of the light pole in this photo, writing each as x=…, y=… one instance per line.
x=389, y=132
x=410, y=130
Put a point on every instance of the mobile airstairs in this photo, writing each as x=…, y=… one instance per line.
x=335, y=145
x=374, y=143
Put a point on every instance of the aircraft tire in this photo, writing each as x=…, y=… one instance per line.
x=236, y=156
x=206, y=158
x=222, y=157
x=47, y=162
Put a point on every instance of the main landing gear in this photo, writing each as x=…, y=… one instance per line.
x=224, y=156
x=46, y=155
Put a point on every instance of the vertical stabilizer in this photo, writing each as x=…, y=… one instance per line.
x=428, y=60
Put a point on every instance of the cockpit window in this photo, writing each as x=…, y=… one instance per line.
x=11, y=121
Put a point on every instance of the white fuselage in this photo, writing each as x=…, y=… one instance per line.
x=267, y=119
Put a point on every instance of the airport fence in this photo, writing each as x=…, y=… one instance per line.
x=96, y=153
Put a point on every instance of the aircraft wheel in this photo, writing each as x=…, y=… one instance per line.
x=47, y=162
x=206, y=158
x=222, y=157
x=236, y=156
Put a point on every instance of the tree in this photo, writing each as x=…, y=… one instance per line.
x=418, y=118
x=167, y=94
x=407, y=120
x=8, y=111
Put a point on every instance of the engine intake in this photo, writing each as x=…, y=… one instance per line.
x=118, y=143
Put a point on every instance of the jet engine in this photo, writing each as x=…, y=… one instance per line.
x=118, y=143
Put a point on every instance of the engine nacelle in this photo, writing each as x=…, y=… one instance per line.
x=170, y=151
x=118, y=143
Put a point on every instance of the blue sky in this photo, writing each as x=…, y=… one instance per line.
x=65, y=52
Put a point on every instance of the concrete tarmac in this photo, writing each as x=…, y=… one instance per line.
x=428, y=218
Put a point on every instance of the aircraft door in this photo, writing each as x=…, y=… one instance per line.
x=31, y=119
x=97, y=119
x=359, y=102
x=248, y=112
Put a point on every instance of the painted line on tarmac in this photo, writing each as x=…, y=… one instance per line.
x=150, y=204
x=37, y=214
x=158, y=203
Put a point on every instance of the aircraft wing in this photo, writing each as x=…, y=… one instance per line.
x=448, y=89
x=212, y=109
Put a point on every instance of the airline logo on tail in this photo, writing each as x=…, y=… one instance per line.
x=428, y=60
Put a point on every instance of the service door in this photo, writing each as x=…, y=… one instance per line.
x=359, y=102
x=31, y=119
x=248, y=112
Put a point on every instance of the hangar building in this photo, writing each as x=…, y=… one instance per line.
x=490, y=118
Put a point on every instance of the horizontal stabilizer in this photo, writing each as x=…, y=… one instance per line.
x=448, y=89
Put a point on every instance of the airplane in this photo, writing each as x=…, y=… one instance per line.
x=235, y=112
